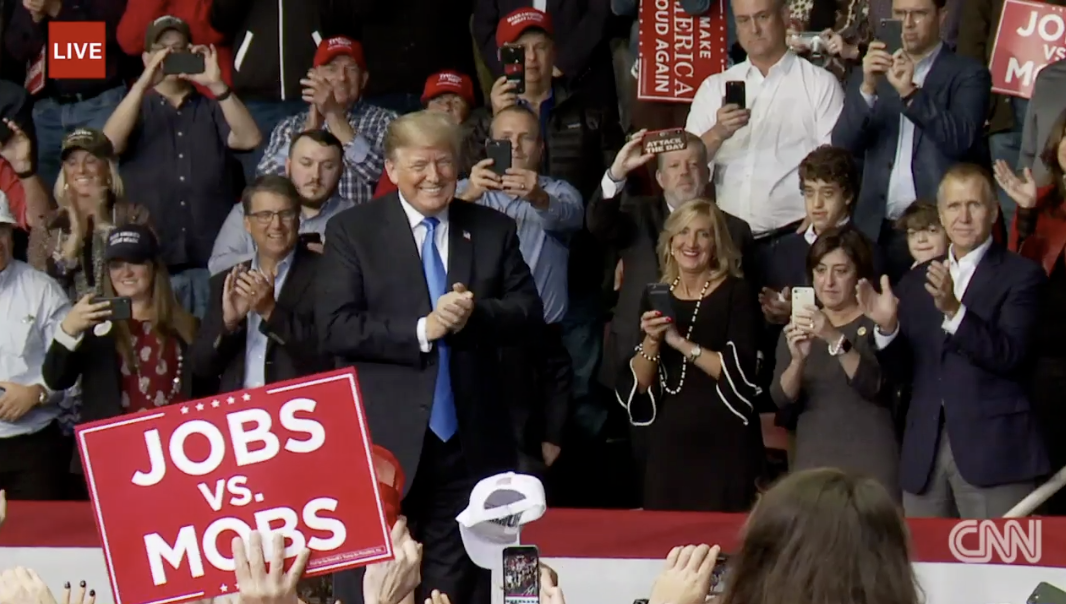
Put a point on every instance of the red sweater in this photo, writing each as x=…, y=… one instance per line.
x=384, y=187
x=140, y=13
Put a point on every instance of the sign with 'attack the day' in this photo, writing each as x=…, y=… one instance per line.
x=171, y=488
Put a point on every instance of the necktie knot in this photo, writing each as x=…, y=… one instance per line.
x=431, y=223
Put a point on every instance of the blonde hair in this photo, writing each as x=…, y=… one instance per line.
x=421, y=129
x=169, y=318
x=116, y=187
x=725, y=258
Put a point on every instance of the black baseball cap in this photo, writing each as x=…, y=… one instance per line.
x=87, y=139
x=162, y=25
x=134, y=243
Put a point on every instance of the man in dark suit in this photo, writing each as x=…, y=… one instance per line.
x=909, y=117
x=259, y=327
x=419, y=294
x=631, y=225
x=959, y=333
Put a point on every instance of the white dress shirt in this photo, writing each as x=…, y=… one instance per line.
x=419, y=230
x=810, y=236
x=32, y=305
x=901, y=190
x=255, y=341
x=962, y=270
x=793, y=111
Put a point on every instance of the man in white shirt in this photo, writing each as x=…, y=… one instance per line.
x=959, y=333
x=34, y=459
x=910, y=116
x=790, y=109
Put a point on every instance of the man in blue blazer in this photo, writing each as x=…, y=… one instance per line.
x=960, y=333
x=909, y=116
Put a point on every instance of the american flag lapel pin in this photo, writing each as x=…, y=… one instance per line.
x=466, y=235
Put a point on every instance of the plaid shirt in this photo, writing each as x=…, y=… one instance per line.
x=364, y=156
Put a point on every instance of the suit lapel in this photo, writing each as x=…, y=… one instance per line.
x=460, y=246
x=938, y=72
x=983, y=277
x=397, y=242
x=296, y=282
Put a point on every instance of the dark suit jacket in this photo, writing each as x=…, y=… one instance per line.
x=292, y=339
x=948, y=113
x=632, y=225
x=96, y=362
x=975, y=377
x=371, y=292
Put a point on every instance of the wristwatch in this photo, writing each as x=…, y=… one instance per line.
x=840, y=348
x=695, y=354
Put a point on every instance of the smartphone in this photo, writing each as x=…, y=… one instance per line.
x=661, y=299
x=1046, y=593
x=736, y=93
x=514, y=66
x=718, y=576
x=662, y=141
x=121, y=308
x=521, y=575
x=891, y=33
x=499, y=151
x=802, y=297
x=183, y=62
x=306, y=238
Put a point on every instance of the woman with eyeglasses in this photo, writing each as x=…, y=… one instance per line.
x=128, y=364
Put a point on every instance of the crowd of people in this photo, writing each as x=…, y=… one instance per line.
x=616, y=321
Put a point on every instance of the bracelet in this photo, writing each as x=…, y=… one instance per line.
x=27, y=174
x=224, y=95
x=647, y=357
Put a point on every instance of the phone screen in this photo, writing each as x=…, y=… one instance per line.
x=183, y=62
x=306, y=238
x=661, y=299
x=802, y=297
x=521, y=575
x=121, y=308
x=499, y=151
x=736, y=93
x=513, y=59
x=891, y=33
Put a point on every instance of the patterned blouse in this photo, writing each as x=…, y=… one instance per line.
x=154, y=379
x=851, y=20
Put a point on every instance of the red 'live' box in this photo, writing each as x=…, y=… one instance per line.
x=171, y=488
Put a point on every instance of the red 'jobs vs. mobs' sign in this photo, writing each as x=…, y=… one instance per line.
x=1030, y=35
x=171, y=488
x=678, y=51
x=77, y=50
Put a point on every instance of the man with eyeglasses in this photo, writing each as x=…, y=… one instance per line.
x=174, y=144
x=260, y=325
x=910, y=116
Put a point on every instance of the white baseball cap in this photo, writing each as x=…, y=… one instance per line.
x=499, y=506
x=6, y=217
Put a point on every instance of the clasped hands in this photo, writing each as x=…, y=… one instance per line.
x=451, y=314
x=245, y=291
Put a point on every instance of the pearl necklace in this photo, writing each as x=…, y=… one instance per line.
x=688, y=336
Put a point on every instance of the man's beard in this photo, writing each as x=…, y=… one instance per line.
x=318, y=201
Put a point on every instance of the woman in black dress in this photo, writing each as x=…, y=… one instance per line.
x=690, y=378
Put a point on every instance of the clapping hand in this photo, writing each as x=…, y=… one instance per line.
x=776, y=307
x=257, y=288
x=454, y=308
x=318, y=91
x=18, y=150
x=687, y=576
x=941, y=286
x=235, y=307
x=258, y=585
x=1021, y=190
x=881, y=308
x=391, y=582
x=631, y=156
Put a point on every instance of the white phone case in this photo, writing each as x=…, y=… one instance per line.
x=802, y=297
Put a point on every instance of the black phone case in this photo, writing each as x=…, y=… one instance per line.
x=513, y=59
x=183, y=62
x=500, y=154
x=121, y=309
x=891, y=33
x=736, y=94
x=661, y=300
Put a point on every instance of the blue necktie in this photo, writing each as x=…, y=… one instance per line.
x=442, y=419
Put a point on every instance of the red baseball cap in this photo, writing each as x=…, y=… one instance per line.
x=390, y=482
x=331, y=48
x=515, y=24
x=449, y=82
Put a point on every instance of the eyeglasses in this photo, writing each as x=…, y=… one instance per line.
x=266, y=216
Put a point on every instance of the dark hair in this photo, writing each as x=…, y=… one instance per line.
x=851, y=242
x=691, y=140
x=829, y=164
x=1050, y=157
x=326, y=139
x=269, y=183
x=918, y=216
x=823, y=535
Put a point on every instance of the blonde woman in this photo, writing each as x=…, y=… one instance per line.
x=691, y=377
x=91, y=202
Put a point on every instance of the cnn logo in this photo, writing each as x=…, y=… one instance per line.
x=1005, y=540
